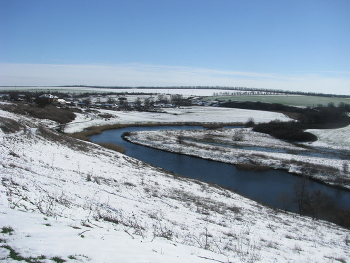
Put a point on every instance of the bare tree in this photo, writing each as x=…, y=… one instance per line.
x=138, y=103
x=345, y=167
x=317, y=203
x=176, y=99
x=111, y=100
x=149, y=103
x=162, y=98
x=301, y=194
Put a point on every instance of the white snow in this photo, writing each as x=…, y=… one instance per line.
x=332, y=138
x=82, y=203
x=173, y=115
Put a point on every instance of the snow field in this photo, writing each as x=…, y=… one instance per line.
x=332, y=138
x=173, y=115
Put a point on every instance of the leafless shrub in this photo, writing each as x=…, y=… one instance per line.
x=129, y=184
x=108, y=217
x=238, y=135
x=97, y=180
x=128, y=222
x=14, y=154
x=203, y=240
x=341, y=260
x=234, y=209
x=273, y=245
x=231, y=234
x=135, y=224
x=345, y=167
x=62, y=199
x=246, y=249
x=46, y=205
x=347, y=240
x=297, y=248
x=161, y=230
x=89, y=178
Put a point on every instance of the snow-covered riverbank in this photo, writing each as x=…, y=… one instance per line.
x=63, y=199
x=331, y=171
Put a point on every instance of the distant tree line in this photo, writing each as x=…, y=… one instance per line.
x=249, y=89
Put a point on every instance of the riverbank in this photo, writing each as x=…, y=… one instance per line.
x=225, y=145
x=65, y=199
x=329, y=171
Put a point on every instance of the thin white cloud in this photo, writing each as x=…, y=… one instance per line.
x=155, y=75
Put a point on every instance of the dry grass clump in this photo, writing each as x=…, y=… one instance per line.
x=51, y=112
x=62, y=138
x=9, y=126
x=252, y=167
x=93, y=130
x=112, y=146
x=106, y=115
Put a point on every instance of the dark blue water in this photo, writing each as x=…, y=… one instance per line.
x=266, y=187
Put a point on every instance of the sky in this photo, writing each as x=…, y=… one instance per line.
x=290, y=45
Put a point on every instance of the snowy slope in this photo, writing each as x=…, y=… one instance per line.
x=81, y=203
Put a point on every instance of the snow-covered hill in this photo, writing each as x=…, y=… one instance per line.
x=67, y=200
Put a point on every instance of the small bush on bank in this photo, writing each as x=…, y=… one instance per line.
x=238, y=135
x=250, y=123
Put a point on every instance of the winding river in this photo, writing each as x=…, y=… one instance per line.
x=266, y=187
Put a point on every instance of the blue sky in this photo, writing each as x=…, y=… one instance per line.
x=293, y=45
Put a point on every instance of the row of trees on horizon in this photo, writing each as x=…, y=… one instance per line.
x=249, y=89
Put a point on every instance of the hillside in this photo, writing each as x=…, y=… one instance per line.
x=68, y=200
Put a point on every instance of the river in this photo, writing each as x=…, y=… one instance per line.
x=266, y=187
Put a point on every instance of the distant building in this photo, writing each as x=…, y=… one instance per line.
x=61, y=101
x=49, y=97
x=46, y=99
